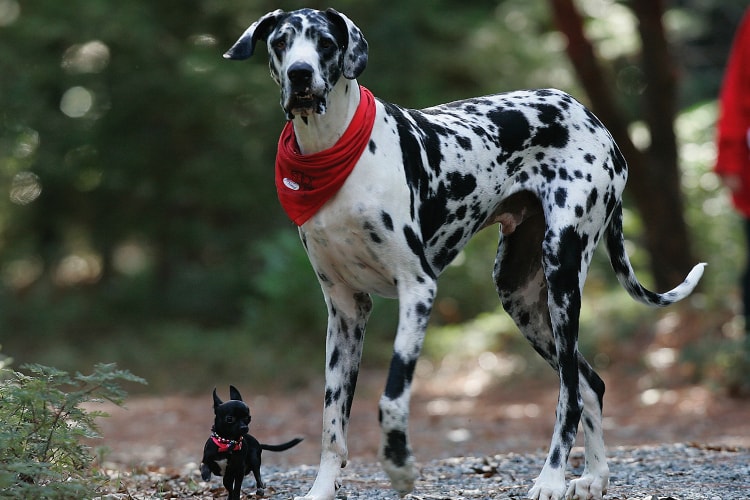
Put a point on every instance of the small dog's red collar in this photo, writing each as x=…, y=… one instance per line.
x=224, y=444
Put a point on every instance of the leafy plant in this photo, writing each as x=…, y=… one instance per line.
x=42, y=454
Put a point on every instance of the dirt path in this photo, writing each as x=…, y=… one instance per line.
x=453, y=415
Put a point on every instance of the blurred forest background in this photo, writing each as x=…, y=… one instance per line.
x=138, y=217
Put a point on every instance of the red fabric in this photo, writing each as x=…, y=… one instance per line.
x=225, y=445
x=305, y=183
x=733, y=155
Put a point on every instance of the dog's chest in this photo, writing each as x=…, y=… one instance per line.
x=222, y=463
x=349, y=251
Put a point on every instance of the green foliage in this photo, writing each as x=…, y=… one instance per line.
x=43, y=424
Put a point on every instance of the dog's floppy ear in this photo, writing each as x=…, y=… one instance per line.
x=259, y=30
x=234, y=393
x=355, y=54
x=217, y=402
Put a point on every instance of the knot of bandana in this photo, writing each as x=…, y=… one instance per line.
x=304, y=183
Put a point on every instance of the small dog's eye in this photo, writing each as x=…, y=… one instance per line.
x=229, y=419
x=279, y=44
x=326, y=43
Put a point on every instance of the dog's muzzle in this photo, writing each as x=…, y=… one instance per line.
x=302, y=99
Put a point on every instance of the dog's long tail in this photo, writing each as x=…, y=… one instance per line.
x=283, y=446
x=626, y=276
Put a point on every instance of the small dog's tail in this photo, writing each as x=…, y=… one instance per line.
x=626, y=276
x=281, y=447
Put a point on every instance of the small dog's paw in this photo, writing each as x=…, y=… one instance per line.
x=260, y=492
x=205, y=472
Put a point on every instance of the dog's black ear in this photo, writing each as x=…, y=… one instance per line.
x=217, y=402
x=234, y=393
x=259, y=30
x=355, y=53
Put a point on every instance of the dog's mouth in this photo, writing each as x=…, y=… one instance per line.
x=304, y=104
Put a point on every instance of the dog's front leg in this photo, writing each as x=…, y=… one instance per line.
x=415, y=305
x=347, y=316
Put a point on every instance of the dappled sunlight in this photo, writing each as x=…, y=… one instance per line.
x=76, y=102
x=457, y=375
x=78, y=269
x=10, y=11
x=21, y=273
x=25, y=188
x=614, y=29
x=89, y=57
x=131, y=258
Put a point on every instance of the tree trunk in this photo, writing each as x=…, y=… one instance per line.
x=654, y=181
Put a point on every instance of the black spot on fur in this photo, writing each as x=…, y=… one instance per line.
x=460, y=185
x=416, y=246
x=395, y=448
x=513, y=130
x=553, y=135
x=349, y=387
x=387, y=220
x=554, y=458
x=461, y=212
x=399, y=376
x=592, y=199
x=464, y=143
x=561, y=196
x=334, y=358
x=548, y=113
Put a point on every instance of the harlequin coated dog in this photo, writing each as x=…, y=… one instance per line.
x=232, y=452
x=535, y=162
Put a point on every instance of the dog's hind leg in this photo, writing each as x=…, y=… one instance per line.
x=348, y=311
x=595, y=478
x=415, y=305
x=523, y=287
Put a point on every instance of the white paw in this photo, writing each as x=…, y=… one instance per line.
x=402, y=478
x=325, y=485
x=544, y=493
x=316, y=496
x=550, y=485
x=587, y=487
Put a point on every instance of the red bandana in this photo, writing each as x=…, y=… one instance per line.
x=305, y=182
x=226, y=445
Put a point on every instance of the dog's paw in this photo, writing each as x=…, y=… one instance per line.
x=322, y=489
x=402, y=476
x=587, y=487
x=541, y=492
x=205, y=472
x=550, y=485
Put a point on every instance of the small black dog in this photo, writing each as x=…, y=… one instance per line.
x=232, y=452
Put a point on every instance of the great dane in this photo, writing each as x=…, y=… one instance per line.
x=536, y=162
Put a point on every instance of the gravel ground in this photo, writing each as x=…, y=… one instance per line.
x=664, y=472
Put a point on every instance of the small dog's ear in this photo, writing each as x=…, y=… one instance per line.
x=234, y=393
x=217, y=401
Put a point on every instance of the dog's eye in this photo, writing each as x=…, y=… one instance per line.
x=279, y=44
x=326, y=43
x=229, y=419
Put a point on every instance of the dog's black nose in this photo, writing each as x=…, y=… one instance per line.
x=300, y=74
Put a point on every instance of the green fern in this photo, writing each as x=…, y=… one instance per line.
x=42, y=428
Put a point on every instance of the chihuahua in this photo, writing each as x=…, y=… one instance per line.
x=232, y=452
